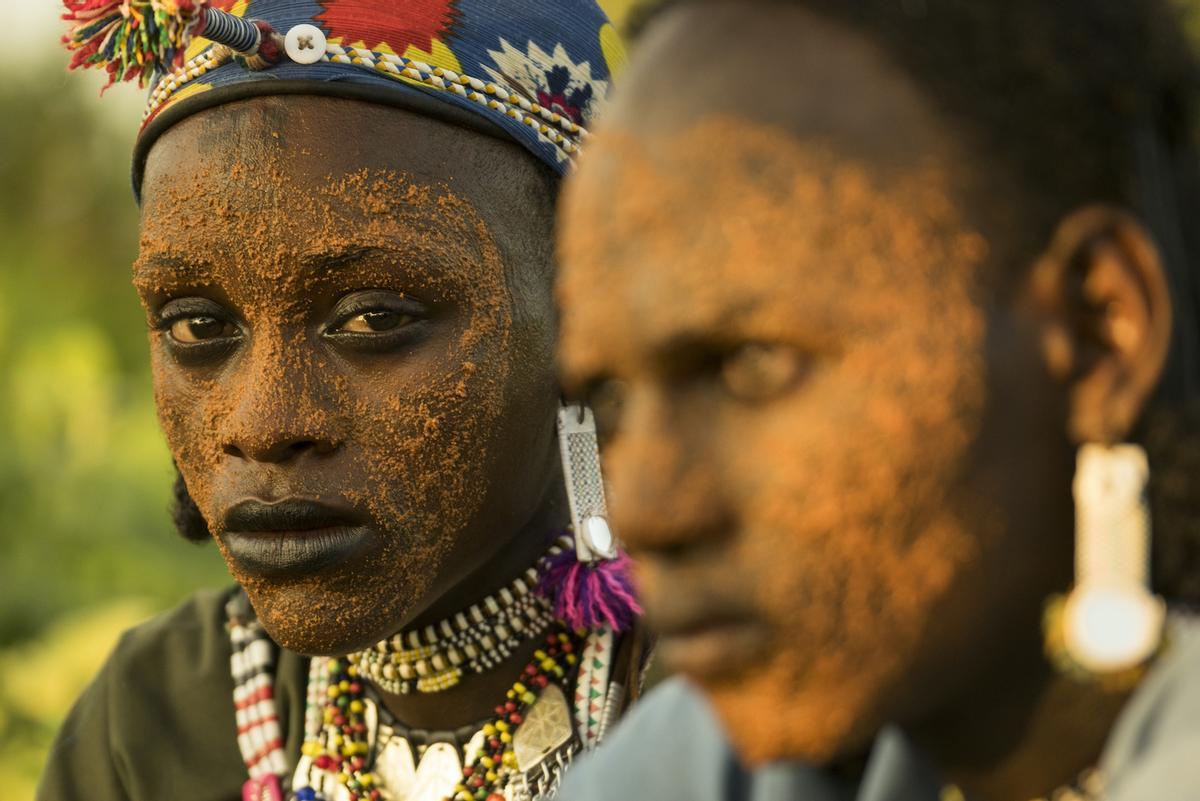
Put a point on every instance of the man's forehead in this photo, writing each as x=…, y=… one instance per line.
x=777, y=64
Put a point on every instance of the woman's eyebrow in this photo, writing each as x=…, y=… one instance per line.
x=148, y=266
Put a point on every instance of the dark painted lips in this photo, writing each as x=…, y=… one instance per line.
x=292, y=537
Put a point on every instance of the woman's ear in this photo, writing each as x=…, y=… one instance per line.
x=1105, y=320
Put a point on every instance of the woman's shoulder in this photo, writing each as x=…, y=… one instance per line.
x=158, y=720
x=191, y=637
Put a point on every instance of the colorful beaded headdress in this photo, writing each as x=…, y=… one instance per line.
x=536, y=71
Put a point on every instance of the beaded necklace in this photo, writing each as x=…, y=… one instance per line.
x=1088, y=787
x=434, y=658
x=350, y=754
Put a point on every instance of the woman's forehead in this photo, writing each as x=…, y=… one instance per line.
x=314, y=139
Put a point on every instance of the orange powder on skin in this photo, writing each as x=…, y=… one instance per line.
x=836, y=498
x=415, y=440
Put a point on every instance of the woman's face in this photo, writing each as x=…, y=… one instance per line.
x=819, y=406
x=352, y=341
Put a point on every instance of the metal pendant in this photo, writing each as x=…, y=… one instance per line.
x=546, y=728
x=395, y=767
x=440, y=770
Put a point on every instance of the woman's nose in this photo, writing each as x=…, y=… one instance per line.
x=280, y=411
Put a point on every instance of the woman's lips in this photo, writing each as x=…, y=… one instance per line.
x=292, y=537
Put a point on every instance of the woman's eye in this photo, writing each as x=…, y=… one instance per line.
x=375, y=322
x=193, y=330
x=760, y=372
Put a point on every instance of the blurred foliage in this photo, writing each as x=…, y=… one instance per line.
x=84, y=475
x=87, y=545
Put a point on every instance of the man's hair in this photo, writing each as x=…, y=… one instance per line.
x=1077, y=102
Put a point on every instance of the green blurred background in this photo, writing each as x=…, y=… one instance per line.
x=86, y=544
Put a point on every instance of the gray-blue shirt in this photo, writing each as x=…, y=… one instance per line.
x=671, y=748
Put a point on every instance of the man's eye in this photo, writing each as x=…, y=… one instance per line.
x=375, y=322
x=191, y=330
x=607, y=402
x=759, y=372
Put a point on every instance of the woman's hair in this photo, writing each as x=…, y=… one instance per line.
x=1075, y=102
x=186, y=515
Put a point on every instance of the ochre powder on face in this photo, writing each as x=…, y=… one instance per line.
x=413, y=436
x=829, y=515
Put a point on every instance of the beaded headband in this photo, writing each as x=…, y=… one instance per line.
x=535, y=72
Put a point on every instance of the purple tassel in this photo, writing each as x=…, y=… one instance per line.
x=586, y=596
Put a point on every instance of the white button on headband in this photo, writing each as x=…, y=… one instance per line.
x=305, y=44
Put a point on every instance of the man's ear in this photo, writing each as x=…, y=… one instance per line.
x=1105, y=320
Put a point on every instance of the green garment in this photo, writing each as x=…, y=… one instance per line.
x=157, y=723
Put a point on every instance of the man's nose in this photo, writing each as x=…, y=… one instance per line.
x=665, y=488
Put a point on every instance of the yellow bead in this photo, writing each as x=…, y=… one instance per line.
x=357, y=707
x=352, y=671
x=367, y=780
x=344, y=686
x=342, y=778
x=489, y=730
x=311, y=748
x=334, y=691
x=548, y=664
x=571, y=659
x=501, y=725
x=539, y=654
x=519, y=688
x=528, y=698
x=487, y=762
x=491, y=776
x=338, y=739
x=506, y=737
x=510, y=760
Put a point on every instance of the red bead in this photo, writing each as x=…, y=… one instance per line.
x=541, y=681
x=568, y=647
x=530, y=670
x=375, y=795
x=477, y=781
x=355, y=687
x=500, y=711
x=495, y=797
x=494, y=744
x=515, y=719
x=511, y=706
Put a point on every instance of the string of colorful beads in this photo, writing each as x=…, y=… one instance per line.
x=489, y=770
x=344, y=744
x=556, y=128
x=435, y=658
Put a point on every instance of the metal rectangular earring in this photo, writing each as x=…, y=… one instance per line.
x=585, y=485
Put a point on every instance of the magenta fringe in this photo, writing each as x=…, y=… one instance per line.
x=586, y=596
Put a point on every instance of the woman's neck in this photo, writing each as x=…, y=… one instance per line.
x=1023, y=736
x=475, y=696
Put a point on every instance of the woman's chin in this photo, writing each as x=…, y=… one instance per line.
x=312, y=619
